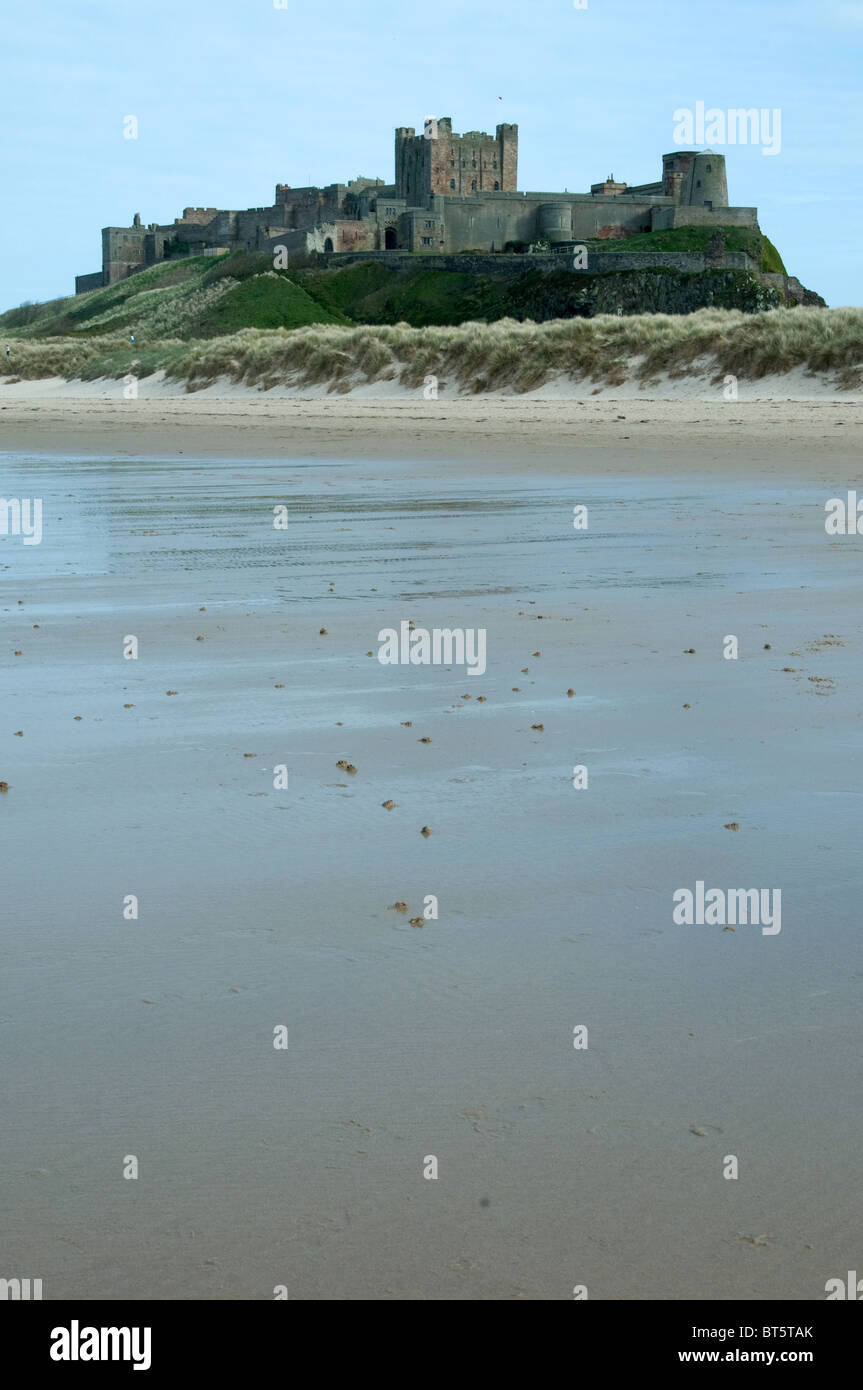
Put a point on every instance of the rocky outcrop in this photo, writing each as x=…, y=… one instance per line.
x=661, y=291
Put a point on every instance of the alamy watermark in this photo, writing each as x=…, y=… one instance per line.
x=21, y=517
x=77, y=1343
x=719, y=907
x=844, y=518
x=736, y=126
x=20, y=1290
x=442, y=646
x=839, y=1289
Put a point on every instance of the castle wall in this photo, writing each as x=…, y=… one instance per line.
x=489, y=223
x=83, y=283
x=599, y=262
x=600, y=217
x=257, y=224
x=154, y=246
x=688, y=262
x=665, y=219
x=357, y=235
x=198, y=216
x=297, y=243
x=307, y=207
x=647, y=190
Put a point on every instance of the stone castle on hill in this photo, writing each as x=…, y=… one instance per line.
x=452, y=193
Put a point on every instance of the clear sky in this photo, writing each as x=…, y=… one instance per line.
x=233, y=96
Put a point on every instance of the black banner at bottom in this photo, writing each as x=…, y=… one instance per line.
x=153, y=1339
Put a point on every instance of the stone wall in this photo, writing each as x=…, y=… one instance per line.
x=200, y=216
x=359, y=235
x=83, y=283
x=664, y=219
x=489, y=223
x=607, y=218
x=599, y=262
x=689, y=262
x=122, y=250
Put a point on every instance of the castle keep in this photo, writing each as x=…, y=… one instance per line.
x=452, y=193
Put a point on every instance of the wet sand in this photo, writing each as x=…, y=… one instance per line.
x=261, y=907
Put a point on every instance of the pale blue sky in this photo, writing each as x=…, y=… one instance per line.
x=233, y=96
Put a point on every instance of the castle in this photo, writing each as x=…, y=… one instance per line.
x=452, y=193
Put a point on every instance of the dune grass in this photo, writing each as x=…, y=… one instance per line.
x=477, y=357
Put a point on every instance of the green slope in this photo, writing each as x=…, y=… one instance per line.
x=697, y=239
x=195, y=298
x=265, y=301
x=206, y=296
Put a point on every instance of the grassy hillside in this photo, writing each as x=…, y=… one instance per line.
x=195, y=298
x=207, y=296
x=419, y=296
x=758, y=246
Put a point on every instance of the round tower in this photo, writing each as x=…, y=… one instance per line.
x=708, y=186
x=554, y=222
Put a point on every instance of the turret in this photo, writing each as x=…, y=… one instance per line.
x=708, y=186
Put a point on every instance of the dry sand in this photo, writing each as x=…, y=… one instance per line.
x=261, y=907
x=626, y=426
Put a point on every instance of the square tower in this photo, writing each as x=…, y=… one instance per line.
x=440, y=162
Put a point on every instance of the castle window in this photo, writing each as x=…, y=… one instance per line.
x=473, y=185
x=494, y=164
x=698, y=183
x=708, y=167
x=474, y=163
x=430, y=224
x=427, y=241
x=452, y=183
x=452, y=164
x=496, y=186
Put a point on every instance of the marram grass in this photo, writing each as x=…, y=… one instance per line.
x=476, y=357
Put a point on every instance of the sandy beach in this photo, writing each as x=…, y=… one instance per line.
x=626, y=428
x=262, y=907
